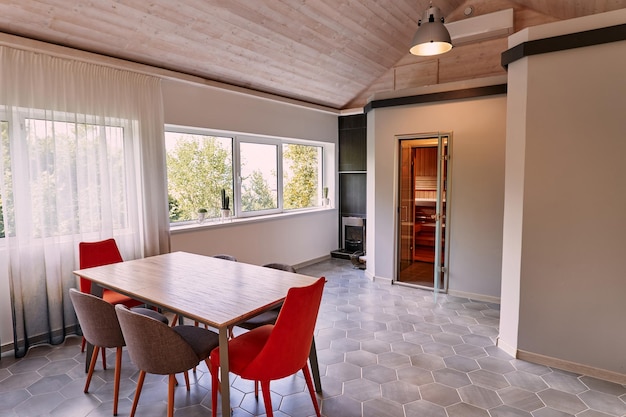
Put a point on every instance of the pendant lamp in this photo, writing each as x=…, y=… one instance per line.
x=432, y=37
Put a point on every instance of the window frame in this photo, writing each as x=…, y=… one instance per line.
x=324, y=180
x=237, y=190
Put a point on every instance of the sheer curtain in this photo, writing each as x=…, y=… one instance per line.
x=82, y=157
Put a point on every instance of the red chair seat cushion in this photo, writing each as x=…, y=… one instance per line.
x=114, y=298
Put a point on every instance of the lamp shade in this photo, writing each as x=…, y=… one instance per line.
x=432, y=37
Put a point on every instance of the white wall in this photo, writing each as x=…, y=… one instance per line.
x=292, y=239
x=513, y=212
x=190, y=104
x=570, y=176
x=476, y=195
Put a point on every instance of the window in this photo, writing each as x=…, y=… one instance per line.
x=302, y=168
x=199, y=167
x=260, y=175
x=71, y=169
x=68, y=155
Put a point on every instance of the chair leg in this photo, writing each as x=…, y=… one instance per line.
x=213, y=371
x=82, y=345
x=207, y=361
x=309, y=384
x=256, y=389
x=170, y=396
x=116, y=386
x=186, y=380
x=174, y=320
x=142, y=376
x=92, y=365
x=267, y=398
x=104, y=359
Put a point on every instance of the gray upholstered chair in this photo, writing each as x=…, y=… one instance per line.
x=226, y=257
x=156, y=348
x=270, y=316
x=282, y=267
x=100, y=327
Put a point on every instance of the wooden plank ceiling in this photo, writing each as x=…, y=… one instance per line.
x=334, y=53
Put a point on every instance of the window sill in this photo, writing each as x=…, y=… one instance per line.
x=194, y=226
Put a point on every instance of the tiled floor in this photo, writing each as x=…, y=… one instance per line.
x=383, y=350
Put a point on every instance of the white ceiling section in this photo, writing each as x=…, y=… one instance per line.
x=333, y=53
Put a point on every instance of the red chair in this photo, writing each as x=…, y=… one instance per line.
x=275, y=351
x=104, y=252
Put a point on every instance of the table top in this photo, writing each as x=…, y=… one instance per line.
x=214, y=291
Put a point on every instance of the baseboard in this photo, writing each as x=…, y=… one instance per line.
x=379, y=279
x=574, y=367
x=6, y=348
x=506, y=347
x=311, y=262
x=473, y=296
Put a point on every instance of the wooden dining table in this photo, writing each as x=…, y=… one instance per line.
x=216, y=292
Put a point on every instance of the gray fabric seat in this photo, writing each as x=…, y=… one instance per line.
x=151, y=313
x=101, y=328
x=281, y=267
x=156, y=348
x=270, y=316
x=200, y=340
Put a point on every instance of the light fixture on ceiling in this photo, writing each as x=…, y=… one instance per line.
x=432, y=37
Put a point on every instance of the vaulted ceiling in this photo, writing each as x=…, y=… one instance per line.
x=334, y=53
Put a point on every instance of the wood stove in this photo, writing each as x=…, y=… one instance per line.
x=353, y=234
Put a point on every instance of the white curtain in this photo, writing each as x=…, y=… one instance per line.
x=82, y=158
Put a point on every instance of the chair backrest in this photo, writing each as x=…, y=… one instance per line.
x=91, y=254
x=153, y=346
x=287, y=349
x=226, y=257
x=282, y=267
x=97, y=319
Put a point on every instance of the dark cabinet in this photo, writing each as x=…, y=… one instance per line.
x=352, y=165
x=352, y=168
x=353, y=143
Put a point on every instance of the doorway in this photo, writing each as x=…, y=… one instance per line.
x=423, y=211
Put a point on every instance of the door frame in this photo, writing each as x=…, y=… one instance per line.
x=445, y=269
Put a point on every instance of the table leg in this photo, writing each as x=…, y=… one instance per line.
x=224, y=372
x=315, y=369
